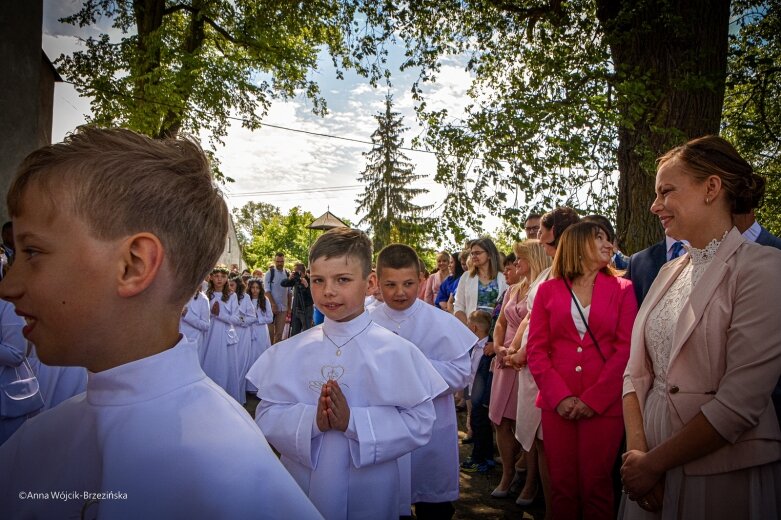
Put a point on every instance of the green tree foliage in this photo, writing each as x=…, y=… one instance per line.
x=191, y=64
x=752, y=107
x=570, y=102
x=289, y=234
x=250, y=220
x=387, y=197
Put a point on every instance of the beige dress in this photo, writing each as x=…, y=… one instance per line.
x=734, y=495
x=527, y=415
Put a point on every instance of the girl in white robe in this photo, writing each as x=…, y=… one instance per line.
x=57, y=383
x=17, y=403
x=260, y=339
x=195, y=321
x=219, y=358
x=247, y=317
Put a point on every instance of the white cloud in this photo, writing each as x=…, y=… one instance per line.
x=273, y=159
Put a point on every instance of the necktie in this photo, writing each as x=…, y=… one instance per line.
x=677, y=250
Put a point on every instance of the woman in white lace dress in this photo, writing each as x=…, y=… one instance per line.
x=702, y=436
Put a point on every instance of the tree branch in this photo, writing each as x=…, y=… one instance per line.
x=179, y=7
x=553, y=7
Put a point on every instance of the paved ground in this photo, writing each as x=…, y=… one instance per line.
x=476, y=501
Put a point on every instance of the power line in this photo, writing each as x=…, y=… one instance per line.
x=297, y=191
x=241, y=119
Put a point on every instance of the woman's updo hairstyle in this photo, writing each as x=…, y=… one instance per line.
x=712, y=155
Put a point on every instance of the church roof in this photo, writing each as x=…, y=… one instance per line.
x=327, y=221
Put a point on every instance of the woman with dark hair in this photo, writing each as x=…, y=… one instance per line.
x=703, y=440
x=577, y=350
x=447, y=288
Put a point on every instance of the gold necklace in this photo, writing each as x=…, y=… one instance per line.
x=339, y=347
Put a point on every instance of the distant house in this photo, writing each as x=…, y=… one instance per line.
x=232, y=252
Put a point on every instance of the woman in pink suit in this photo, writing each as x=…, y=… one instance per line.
x=702, y=436
x=577, y=351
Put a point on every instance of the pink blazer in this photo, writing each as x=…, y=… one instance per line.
x=565, y=365
x=726, y=354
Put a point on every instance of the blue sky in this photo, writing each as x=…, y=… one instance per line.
x=272, y=159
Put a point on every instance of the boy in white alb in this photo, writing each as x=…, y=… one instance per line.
x=123, y=218
x=445, y=341
x=343, y=401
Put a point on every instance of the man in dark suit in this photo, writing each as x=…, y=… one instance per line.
x=747, y=224
x=644, y=265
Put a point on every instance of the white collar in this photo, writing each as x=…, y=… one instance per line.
x=405, y=314
x=146, y=378
x=669, y=241
x=752, y=233
x=346, y=328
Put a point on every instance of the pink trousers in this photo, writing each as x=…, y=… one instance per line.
x=580, y=459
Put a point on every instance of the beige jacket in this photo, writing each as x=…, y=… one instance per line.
x=726, y=354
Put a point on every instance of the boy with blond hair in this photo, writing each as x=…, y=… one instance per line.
x=115, y=231
x=344, y=400
x=432, y=474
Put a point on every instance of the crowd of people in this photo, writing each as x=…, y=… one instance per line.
x=639, y=387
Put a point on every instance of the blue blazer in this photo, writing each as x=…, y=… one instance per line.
x=765, y=238
x=643, y=268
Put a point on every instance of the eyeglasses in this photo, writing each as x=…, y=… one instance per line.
x=532, y=229
x=476, y=253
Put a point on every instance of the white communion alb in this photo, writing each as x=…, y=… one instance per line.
x=154, y=438
x=445, y=341
x=389, y=386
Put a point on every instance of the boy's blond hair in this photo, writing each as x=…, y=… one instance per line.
x=346, y=242
x=481, y=319
x=119, y=183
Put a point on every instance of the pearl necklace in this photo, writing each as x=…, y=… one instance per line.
x=339, y=347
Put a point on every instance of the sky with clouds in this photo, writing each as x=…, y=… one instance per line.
x=272, y=159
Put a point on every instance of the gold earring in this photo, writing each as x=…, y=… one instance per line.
x=707, y=200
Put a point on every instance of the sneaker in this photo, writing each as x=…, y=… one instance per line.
x=491, y=463
x=470, y=466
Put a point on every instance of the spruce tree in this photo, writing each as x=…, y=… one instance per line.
x=387, y=197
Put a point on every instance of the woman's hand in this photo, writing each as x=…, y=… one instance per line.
x=501, y=352
x=581, y=410
x=638, y=475
x=566, y=406
x=653, y=501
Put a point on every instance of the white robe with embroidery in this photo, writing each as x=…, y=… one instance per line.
x=389, y=386
x=161, y=437
x=196, y=322
x=445, y=341
x=247, y=318
x=220, y=361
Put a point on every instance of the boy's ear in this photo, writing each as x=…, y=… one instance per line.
x=371, y=284
x=141, y=258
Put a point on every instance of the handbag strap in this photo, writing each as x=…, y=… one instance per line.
x=585, y=321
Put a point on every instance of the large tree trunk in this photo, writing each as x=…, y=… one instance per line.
x=676, y=53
